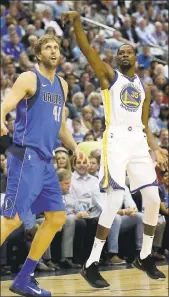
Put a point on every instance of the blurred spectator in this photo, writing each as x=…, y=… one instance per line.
x=94, y=166
x=87, y=117
x=128, y=32
x=2, y=159
x=48, y=21
x=66, y=49
x=163, y=119
x=30, y=30
x=72, y=86
x=94, y=15
x=30, y=50
x=157, y=104
x=24, y=63
x=10, y=72
x=97, y=128
x=164, y=138
x=159, y=34
x=39, y=28
x=74, y=213
x=89, y=136
x=14, y=47
x=78, y=101
x=144, y=75
x=62, y=160
x=10, y=21
x=5, y=86
x=76, y=125
x=144, y=59
x=113, y=20
x=145, y=37
x=60, y=6
x=95, y=100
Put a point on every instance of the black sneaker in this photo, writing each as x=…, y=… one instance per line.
x=93, y=276
x=148, y=265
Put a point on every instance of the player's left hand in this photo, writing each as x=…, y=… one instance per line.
x=162, y=159
x=81, y=156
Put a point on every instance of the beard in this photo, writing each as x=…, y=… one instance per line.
x=49, y=64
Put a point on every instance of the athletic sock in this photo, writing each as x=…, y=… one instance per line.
x=146, y=246
x=28, y=267
x=96, y=251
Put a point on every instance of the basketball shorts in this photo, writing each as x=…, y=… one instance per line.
x=32, y=184
x=126, y=150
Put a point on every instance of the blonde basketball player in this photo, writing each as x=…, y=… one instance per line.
x=126, y=143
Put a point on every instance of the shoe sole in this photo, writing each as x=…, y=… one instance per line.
x=92, y=285
x=153, y=277
x=17, y=291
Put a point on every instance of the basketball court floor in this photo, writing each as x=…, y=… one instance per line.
x=124, y=282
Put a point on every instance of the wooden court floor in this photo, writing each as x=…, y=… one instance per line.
x=125, y=282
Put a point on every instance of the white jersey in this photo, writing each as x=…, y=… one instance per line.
x=123, y=101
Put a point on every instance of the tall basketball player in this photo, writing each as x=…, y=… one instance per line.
x=126, y=143
x=39, y=98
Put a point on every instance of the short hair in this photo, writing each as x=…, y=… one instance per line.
x=64, y=174
x=76, y=120
x=88, y=134
x=43, y=40
x=163, y=130
x=97, y=119
x=134, y=50
x=96, y=158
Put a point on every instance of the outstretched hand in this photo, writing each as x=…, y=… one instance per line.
x=69, y=16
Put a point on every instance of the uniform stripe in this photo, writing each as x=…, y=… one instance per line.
x=106, y=95
x=18, y=183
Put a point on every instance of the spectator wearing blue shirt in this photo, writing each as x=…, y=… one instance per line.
x=8, y=22
x=144, y=59
x=14, y=48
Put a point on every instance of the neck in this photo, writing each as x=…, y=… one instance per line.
x=130, y=72
x=48, y=73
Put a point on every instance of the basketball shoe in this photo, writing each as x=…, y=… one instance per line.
x=93, y=276
x=148, y=265
x=27, y=286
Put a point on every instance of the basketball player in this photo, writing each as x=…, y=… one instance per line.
x=39, y=98
x=126, y=144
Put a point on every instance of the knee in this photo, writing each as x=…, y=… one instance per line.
x=56, y=219
x=117, y=220
x=70, y=221
x=151, y=196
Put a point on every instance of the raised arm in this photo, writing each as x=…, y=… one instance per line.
x=103, y=72
x=161, y=156
x=23, y=86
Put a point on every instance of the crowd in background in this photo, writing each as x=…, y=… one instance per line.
x=144, y=25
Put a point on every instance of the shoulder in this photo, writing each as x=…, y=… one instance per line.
x=64, y=85
x=28, y=76
x=27, y=80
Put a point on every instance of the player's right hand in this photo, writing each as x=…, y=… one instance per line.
x=69, y=16
x=4, y=130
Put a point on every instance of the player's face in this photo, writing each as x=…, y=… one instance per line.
x=126, y=57
x=50, y=54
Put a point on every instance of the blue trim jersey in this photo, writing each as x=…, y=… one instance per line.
x=38, y=118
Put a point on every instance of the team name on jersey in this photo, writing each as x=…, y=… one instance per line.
x=52, y=98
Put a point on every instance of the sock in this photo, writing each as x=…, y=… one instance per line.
x=146, y=246
x=28, y=267
x=96, y=251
